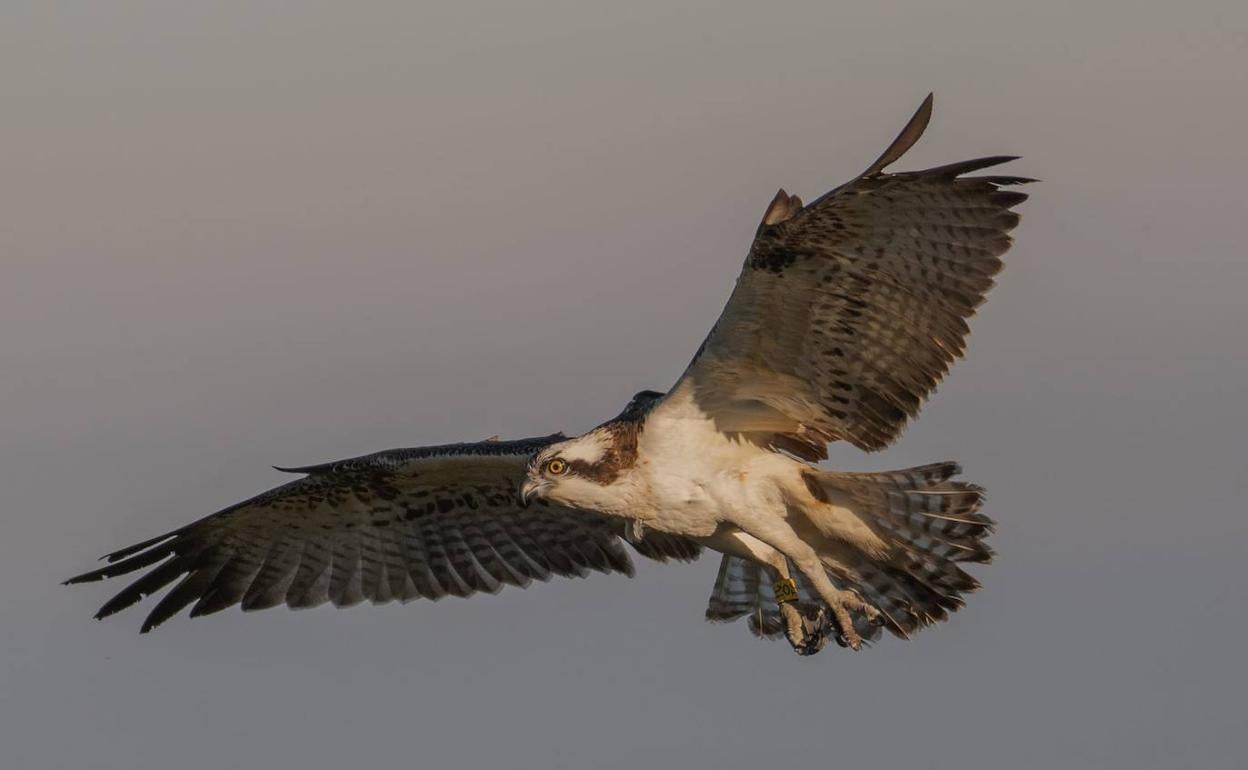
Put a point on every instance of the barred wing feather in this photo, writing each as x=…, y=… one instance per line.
x=394, y=525
x=850, y=310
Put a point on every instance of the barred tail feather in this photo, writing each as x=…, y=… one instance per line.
x=931, y=525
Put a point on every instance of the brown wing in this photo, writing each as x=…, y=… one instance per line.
x=395, y=525
x=850, y=310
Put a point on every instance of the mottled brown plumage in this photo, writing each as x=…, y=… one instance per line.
x=850, y=310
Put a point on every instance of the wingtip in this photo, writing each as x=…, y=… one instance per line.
x=906, y=139
x=94, y=576
x=925, y=107
x=112, y=607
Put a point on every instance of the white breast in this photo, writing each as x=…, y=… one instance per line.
x=695, y=477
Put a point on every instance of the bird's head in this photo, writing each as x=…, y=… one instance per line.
x=582, y=472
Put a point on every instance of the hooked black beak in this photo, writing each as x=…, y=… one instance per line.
x=530, y=489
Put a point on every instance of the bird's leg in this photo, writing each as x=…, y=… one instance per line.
x=806, y=626
x=779, y=535
x=842, y=602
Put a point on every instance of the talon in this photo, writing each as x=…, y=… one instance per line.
x=846, y=623
x=841, y=605
x=808, y=627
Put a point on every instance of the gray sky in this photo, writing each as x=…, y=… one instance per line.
x=240, y=234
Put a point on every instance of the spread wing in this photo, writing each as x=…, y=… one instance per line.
x=395, y=525
x=848, y=311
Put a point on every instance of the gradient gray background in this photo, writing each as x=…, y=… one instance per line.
x=238, y=234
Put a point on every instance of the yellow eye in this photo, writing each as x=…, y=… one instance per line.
x=556, y=467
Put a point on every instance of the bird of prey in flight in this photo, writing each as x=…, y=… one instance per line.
x=846, y=314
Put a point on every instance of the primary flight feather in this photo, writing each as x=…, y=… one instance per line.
x=847, y=313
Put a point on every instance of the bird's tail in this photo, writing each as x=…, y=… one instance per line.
x=929, y=525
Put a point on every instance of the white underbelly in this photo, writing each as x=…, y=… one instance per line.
x=694, y=491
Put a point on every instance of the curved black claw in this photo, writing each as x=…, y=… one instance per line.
x=815, y=631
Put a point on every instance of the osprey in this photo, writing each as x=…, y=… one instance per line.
x=846, y=314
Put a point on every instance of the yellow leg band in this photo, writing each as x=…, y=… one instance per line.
x=785, y=590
